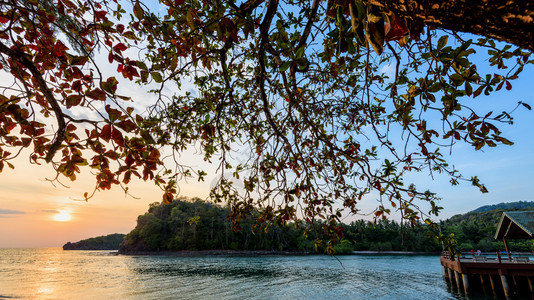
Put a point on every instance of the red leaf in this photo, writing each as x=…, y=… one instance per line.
x=100, y=14
x=127, y=125
x=34, y=47
x=120, y=47
x=127, y=177
x=116, y=135
x=76, y=85
x=60, y=49
x=96, y=94
x=3, y=20
x=508, y=85
x=105, y=134
x=397, y=29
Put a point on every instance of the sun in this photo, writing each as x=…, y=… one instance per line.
x=62, y=216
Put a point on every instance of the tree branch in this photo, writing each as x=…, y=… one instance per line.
x=509, y=21
x=49, y=96
x=307, y=29
x=264, y=35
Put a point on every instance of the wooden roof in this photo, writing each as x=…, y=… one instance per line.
x=516, y=225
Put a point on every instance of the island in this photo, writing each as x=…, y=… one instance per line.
x=107, y=242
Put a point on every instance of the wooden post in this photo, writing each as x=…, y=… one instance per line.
x=445, y=273
x=450, y=275
x=515, y=287
x=492, y=285
x=465, y=279
x=530, y=285
x=506, y=247
x=482, y=284
x=505, y=286
x=457, y=276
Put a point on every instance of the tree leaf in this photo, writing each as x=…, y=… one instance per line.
x=285, y=66
x=138, y=11
x=442, y=41
x=96, y=94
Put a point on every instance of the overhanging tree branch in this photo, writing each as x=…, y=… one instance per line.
x=509, y=21
x=60, y=117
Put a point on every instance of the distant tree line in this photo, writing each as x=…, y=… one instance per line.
x=108, y=242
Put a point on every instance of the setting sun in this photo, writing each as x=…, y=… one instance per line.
x=62, y=216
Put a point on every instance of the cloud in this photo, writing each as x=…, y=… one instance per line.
x=52, y=211
x=388, y=70
x=9, y=213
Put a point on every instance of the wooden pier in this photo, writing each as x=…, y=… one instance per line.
x=502, y=275
x=493, y=276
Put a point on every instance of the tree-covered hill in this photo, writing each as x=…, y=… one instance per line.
x=518, y=205
x=476, y=229
x=194, y=224
x=108, y=242
x=199, y=225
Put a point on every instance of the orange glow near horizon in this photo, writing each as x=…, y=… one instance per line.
x=62, y=216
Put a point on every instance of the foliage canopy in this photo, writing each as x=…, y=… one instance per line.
x=290, y=97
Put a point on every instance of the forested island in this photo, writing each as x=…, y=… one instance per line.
x=197, y=225
x=193, y=225
x=107, y=242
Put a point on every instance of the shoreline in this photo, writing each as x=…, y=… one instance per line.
x=185, y=253
x=215, y=253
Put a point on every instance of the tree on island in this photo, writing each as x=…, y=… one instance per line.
x=105, y=242
x=289, y=97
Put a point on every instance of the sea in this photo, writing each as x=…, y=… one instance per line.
x=51, y=273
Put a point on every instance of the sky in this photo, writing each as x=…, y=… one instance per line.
x=35, y=213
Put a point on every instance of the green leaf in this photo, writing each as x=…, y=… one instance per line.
x=435, y=87
x=468, y=89
x=73, y=100
x=285, y=66
x=299, y=53
x=157, y=77
x=457, y=79
x=442, y=41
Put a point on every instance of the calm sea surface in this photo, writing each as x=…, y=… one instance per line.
x=56, y=274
